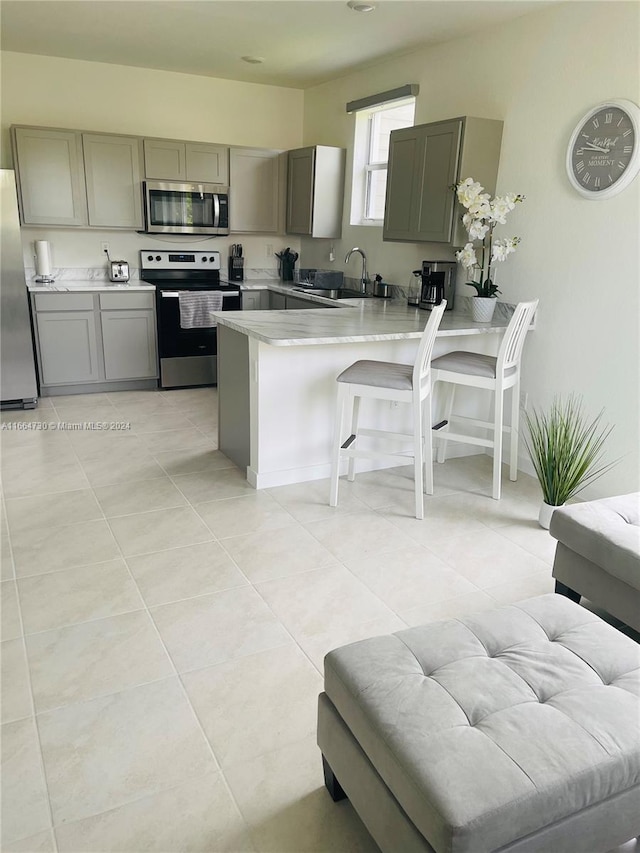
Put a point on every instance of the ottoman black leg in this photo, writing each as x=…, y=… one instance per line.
x=562, y=589
x=333, y=786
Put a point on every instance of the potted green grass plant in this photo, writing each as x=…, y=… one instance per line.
x=566, y=449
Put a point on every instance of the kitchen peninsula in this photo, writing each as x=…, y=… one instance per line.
x=277, y=372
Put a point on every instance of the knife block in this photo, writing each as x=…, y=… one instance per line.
x=286, y=269
x=236, y=269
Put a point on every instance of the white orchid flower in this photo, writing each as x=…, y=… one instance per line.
x=467, y=256
x=500, y=206
x=502, y=248
x=480, y=207
x=468, y=192
x=477, y=229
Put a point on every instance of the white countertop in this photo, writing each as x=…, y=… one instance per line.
x=87, y=286
x=347, y=321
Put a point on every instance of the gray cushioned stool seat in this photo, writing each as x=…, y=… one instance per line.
x=496, y=726
x=379, y=374
x=471, y=363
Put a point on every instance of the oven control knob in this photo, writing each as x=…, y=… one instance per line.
x=212, y=259
x=158, y=258
x=204, y=260
x=149, y=257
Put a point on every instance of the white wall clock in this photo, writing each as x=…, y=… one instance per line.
x=603, y=156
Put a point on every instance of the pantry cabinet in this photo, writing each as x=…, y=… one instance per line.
x=254, y=190
x=425, y=163
x=113, y=179
x=92, y=338
x=173, y=160
x=315, y=191
x=50, y=172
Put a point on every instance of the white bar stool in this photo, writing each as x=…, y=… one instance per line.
x=384, y=380
x=492, y=374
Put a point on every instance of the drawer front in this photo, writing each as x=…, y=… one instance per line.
x=127, y=301
x=64, y=301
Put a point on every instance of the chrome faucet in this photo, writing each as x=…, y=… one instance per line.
x=364, y=278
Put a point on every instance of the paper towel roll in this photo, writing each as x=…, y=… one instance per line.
x=43, y=258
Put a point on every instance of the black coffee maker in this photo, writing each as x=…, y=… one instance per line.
x=438, y=283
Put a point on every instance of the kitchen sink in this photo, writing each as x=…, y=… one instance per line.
x=338, y=293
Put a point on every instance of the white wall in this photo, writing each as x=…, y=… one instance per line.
x=52, y=92
x=539, y=74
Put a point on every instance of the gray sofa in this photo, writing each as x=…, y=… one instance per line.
x=598, y=554
x=509, y=730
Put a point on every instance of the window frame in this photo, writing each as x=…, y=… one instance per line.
x=364, y=164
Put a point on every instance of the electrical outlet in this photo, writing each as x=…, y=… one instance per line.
x=269, y=250
x=105, y=247
x=524, y=402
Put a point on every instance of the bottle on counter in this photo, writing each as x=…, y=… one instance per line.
x=414, y=288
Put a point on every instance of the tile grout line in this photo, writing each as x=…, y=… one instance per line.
x=185, y=693
x=34, y=717
x=144, y=609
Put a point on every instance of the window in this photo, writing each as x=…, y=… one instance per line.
x=371, y=153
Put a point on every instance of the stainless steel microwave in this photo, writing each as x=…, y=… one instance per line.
x=177, y=208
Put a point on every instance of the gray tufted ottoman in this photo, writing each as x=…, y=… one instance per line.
x=598, y=554
x=515, y=729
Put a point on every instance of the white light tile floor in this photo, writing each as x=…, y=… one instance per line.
x=164, y=625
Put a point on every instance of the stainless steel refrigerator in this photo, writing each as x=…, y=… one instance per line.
x=18, y=385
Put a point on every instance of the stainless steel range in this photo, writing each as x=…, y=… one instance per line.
x=188, y=354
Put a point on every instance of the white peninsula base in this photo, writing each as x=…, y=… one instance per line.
x=277, y=402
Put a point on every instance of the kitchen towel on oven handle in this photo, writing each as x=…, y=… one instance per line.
x=195, y=308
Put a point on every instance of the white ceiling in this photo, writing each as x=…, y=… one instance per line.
x=303, y=42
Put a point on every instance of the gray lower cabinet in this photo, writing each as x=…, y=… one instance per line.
x=129, y=342
x=93, y=338
x=425, y=162
x=68, y=347
x=293, y=303
x=256, y=300
x=277, y=301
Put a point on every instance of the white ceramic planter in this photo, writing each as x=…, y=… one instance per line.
x=544, y=517
x=482, y=308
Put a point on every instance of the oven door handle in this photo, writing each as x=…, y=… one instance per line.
x=173, y=294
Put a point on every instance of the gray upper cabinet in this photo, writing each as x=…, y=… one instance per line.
x=172, y=160
x=113, y=176
x=315, y=191
x=50, y=174
x=425, y=162
x=165, y=160
x=254, y=189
